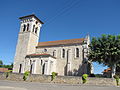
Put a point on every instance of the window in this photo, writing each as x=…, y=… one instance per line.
x=45, y=50
x=41, y=62
x=33, y=27
x=36, y=22
x=36, y=30
x=31, y=68
x=77, y=52
x=24, y=27
x=54, y=53
x=20, y=68
x=27, y=27
x=30, y=62
x=63, y=53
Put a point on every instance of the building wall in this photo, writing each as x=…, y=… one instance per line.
x=76, y=67
x=27, y=42
x=60, y=79
x=38, y=64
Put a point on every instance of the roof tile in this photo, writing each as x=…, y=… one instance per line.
x=61, y=42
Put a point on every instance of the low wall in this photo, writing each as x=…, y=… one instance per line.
x=59, y=79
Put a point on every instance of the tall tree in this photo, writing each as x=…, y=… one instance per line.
x=106, y=50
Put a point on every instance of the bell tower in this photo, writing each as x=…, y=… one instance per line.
x=27, y=40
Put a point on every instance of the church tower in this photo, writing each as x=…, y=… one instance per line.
x=27, y=40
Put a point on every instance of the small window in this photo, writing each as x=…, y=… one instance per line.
x=36, y=30
x=45, y=50
x=24, y=27
x=36, y=22
x=31, y=68
x=63, y=53
x=54, y=53
x=77, y=52
x=41, y=62
x=33, y=27
x=27, y=27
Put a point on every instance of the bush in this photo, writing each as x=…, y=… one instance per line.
x=84, y=78
x=117, y=78
x=25, y=76
x=99, y=75
x=54, y=74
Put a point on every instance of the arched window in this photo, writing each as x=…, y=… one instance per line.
x=36, y=22
x=45, y=50
x=54, y=53
x=24, y=27
x=41, y=62
x=36, y=30
x=27, y=27
x=33, y=27
x=63, y=53
x=77, y=52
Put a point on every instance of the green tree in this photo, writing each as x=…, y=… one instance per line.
x=106, y=50
x=1, y=63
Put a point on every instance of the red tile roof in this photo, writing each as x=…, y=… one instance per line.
x=61, y=42
x=3, y=69
x=44, y=54
x=107, y=70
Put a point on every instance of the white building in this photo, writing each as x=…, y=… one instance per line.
x=65, y=57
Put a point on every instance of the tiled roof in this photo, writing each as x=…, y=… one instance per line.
x=32, y=15
x=61, y=42
x=43, y=55
x=107, y=70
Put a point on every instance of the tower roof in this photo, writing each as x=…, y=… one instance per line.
x=32, y=15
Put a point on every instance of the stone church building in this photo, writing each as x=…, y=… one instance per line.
x=65, y=57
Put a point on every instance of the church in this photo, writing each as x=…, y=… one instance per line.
x=65, y=57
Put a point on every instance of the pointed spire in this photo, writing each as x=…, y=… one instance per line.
x=87, y=36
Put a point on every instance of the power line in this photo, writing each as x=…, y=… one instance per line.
x=58, y=10
x=63, y=10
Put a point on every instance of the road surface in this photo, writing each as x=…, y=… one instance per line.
x=19, y=85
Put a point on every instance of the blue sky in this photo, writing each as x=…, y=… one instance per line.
x=64, y=19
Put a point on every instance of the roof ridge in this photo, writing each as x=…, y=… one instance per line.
x=63, y=40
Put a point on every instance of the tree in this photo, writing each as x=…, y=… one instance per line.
x=1, y=62
x=106, y=50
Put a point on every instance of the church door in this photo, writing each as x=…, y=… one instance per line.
x=20, y=69
x=31, y=69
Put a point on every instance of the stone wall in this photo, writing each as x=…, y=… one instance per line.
x=59, y=79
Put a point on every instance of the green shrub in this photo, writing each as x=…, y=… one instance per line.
x=54, y=74
x=99, y=76
x=117, y=78
x=84, y=78
x=25, y=76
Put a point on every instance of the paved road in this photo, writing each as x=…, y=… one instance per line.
x=13, y=85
